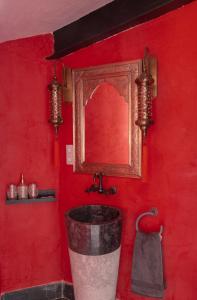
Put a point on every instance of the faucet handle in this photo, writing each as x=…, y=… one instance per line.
x=92, y=188
x=111, y=191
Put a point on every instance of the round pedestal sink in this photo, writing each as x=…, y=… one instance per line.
x=94, y=236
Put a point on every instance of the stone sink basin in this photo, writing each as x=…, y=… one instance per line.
x=94, y=236
x=94, y=229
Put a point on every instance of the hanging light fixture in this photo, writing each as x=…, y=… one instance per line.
x=55, y=89
x=145, y=84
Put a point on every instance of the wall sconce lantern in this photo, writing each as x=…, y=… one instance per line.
x=55, y=89
x=146, y=91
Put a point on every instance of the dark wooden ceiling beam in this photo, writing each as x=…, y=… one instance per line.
x=108, y=20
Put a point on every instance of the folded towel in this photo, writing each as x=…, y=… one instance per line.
x=147, y=267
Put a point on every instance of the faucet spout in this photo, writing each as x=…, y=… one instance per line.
x=100, y=178
x=99, y=187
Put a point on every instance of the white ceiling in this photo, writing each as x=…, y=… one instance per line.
x=23, y=18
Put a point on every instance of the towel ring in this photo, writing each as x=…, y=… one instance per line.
x=152, y=212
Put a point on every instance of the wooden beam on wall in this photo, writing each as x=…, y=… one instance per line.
x=107, y=21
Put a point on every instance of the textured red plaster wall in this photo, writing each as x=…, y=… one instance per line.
x=30, y=242
x=172, y=160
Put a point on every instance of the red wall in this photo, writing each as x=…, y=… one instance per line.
x=30, y=241
x=172, y=160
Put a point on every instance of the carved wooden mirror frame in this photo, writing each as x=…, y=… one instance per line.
x=128, y=89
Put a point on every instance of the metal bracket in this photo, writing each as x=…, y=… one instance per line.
x=67, y=85
x=152, y=212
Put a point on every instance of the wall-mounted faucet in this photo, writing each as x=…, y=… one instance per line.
x=97, y=186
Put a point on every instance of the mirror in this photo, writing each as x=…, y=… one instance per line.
x=106, y=138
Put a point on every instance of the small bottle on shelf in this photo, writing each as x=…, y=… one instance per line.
x=22, y=189
x=33, y=191
x=12, y=192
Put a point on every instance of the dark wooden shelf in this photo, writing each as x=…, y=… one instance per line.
x=27, y=201
x=43, y=196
